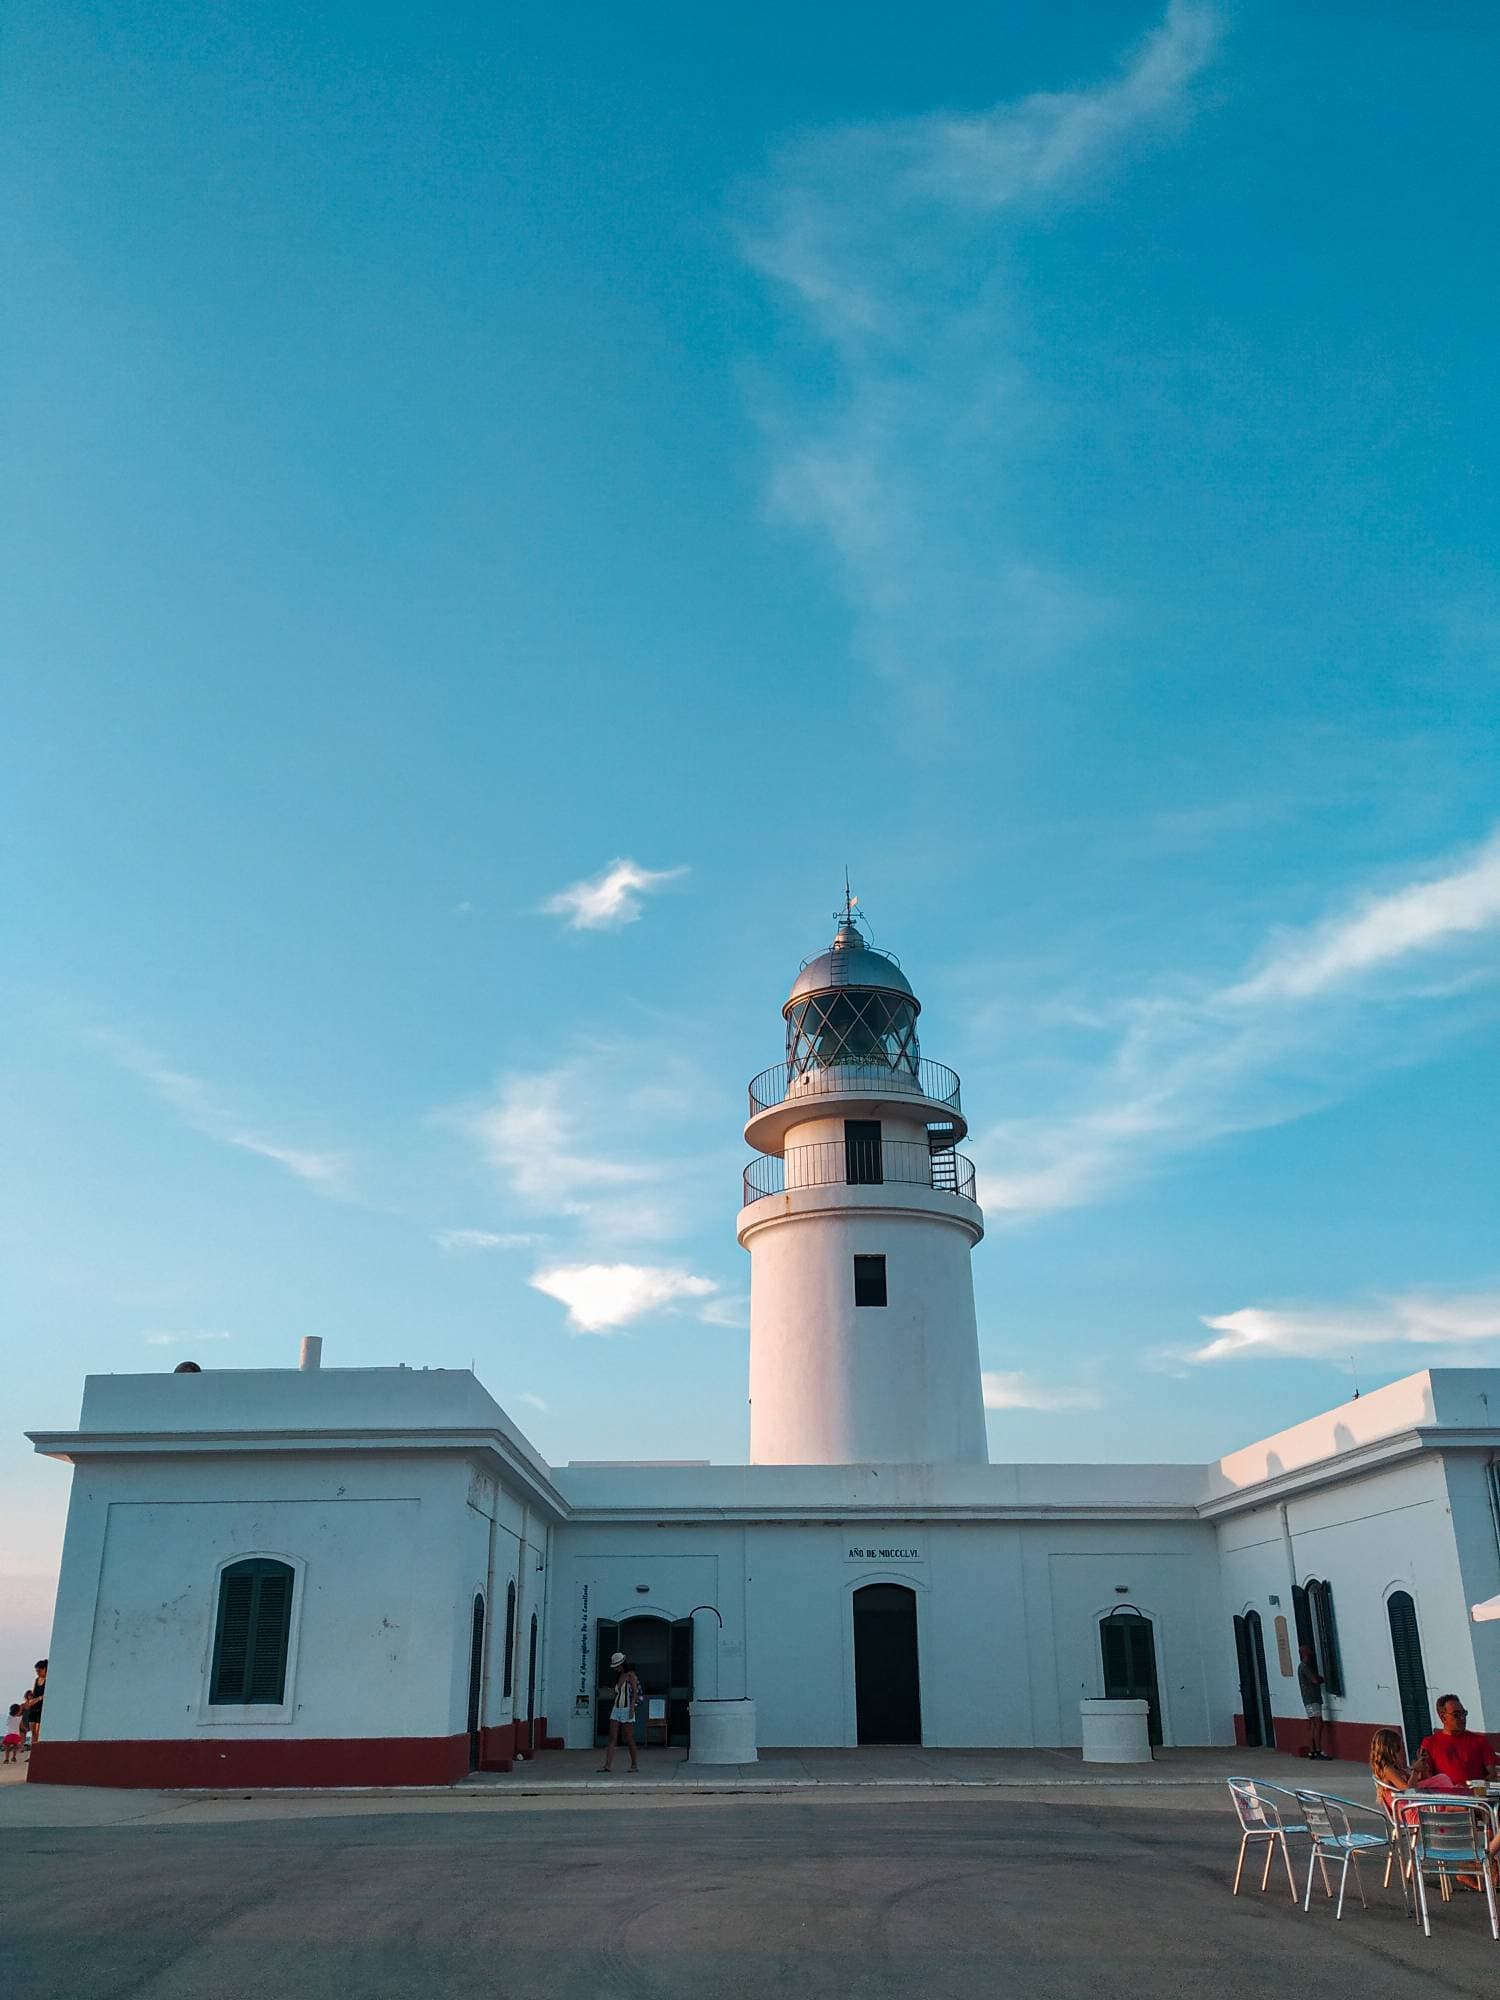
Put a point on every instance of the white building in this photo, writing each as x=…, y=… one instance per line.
x=368, y=1576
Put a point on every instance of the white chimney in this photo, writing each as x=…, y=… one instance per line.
x=312, y=1351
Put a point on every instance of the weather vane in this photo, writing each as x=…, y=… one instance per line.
x=846, y=915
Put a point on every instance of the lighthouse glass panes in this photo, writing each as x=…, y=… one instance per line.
x=853, y=1027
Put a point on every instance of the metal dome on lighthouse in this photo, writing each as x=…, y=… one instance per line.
x=859, y=1218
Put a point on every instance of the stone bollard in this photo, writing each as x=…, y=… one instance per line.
x=1115, y=1732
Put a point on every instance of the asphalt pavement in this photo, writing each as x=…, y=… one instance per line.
x=941, y=1895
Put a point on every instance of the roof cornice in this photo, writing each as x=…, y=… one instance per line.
x=518, y=1471
x=1371, y=1457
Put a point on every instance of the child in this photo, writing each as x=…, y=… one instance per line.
x=14, y=1731
x=1388, y=1767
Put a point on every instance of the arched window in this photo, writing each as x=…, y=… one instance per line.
x=250, y=1633
x=1325, y=1636
x=510, y=1636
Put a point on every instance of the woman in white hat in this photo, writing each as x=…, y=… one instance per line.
x=622, y=1715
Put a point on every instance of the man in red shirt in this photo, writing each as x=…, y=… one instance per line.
x=1455, y=1751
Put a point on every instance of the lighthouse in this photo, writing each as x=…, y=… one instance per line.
x=860, y=1215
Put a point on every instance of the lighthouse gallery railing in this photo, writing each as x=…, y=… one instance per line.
x=900, y=1162
x=852, y=1078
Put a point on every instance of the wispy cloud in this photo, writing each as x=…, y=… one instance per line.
x=726, y=1312
x=610, y=899
x=199, y=1106
x=1193, y=1063
x=486, y=1239
x=527, y=1396
x=601, y=1298
x=891, y=241
x=1013, y=1389
x=531, y=1131
x=1333, y=1333
x=183, y=1339
x=595, y=1143
x=1380, y=931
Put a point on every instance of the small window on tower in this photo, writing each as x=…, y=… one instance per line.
x=869, y=1281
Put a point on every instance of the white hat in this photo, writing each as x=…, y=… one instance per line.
x=617, y=1659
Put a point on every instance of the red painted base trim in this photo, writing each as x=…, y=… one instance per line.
x=502, y=1745
x=1347, y=1740
x=497, y=1747
x=214, y=1763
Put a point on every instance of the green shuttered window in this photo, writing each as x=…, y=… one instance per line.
x=250, y=1635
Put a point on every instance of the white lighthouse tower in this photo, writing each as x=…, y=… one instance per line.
x=859, y=1219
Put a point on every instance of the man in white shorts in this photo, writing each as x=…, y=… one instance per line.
x=1310, y=1687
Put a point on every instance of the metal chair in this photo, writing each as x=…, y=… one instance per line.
x=1260, y=1819
x=1334, y=1838
x=1395, y=1855
x=1449, y=1837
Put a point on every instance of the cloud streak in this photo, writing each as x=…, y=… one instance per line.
x=891, y=242
x=1381, y=931
x=1013, y=1389
x=1192, y=1064
x=602, y=1298
x=611, y=899
x=200, y=1107
x=1333, y=1333
x=486, y=1239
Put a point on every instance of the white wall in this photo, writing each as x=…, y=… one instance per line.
x=831, y=1382
x=388, y=1553
x=1007, y=1619
x=1371, y=1533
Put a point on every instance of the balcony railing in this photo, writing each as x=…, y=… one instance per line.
x=854, y=1077
x=860, y=1163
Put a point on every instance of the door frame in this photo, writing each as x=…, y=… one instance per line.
x=909, y=1579
x=1255, y=1650
x=655, y=1614
x=885, y=1583
x=1158, y=1658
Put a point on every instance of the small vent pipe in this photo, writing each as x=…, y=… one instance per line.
x=312, y=1352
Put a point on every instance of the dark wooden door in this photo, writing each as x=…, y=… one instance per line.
x=476, y=1680
x=680, y=1687
x=1255, y=1694
x=531, y=1678
x=1129, y=1647
x=887, y=1679
x=606, y=1641
x=1411, y=1674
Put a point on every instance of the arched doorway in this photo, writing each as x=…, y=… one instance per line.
x=887, y=1677
x=1411, y=1674
x=1255, y=1689
x=1128, y=1643
x=661, y=1651
x=476, y=1678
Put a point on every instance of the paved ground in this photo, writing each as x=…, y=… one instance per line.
x=911, y=1766
x=942, y=1894
x=563, y=1773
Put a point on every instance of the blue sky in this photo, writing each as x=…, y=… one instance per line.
x=1042, y=458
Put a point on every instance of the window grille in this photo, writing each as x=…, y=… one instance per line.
x=852, y=1027
x=251, y=1631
